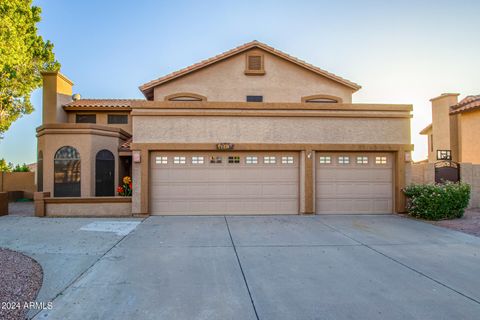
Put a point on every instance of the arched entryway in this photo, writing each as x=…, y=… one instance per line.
x=67, y=172
x=104, y=174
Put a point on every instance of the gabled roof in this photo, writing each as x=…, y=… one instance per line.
x=100, y=104
x=469, y=103
x=147, y=88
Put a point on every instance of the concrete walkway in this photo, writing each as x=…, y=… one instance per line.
x=266, y=267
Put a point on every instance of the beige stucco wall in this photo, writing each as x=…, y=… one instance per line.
x=421, y=173
x=102, y=119
x=470, y=136
x=470, y=173
x=87, y=145
x=431, y=153
x=57, y=90
x=88, y=209
x=443, y=125
x=18, y=181
x=226, y=81
x=157, y=129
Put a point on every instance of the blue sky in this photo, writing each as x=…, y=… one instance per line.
x=402, y=52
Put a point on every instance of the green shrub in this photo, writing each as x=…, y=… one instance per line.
x=438, y=201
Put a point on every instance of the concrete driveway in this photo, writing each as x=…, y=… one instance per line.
x=265, y=267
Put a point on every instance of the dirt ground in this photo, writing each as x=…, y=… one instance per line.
x=469, y=223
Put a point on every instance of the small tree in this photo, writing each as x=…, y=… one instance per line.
x=21, y=168
x=5, y=167
x=23, y=54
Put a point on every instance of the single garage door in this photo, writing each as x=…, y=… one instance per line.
x=224, y=183
x=354, y=183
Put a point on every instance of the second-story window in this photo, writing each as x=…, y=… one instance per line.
x=117, y=119
x=86, y=118
x=254, y=98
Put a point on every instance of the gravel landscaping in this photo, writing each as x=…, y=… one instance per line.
x=469, y=223
x=20, y=280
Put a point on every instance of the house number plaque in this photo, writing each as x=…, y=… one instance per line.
x=225, y=146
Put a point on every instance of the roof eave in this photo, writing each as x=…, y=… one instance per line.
x=147, y=87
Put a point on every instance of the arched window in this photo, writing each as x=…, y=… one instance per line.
x=185, y=96
x=66, y=172
x=104, y=174
x=321, y=98
x=40, y=172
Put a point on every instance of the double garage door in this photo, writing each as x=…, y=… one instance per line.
x=224, y=183
x=267, y=183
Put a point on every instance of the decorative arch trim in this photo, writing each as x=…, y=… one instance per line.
x=319, y=97
x=185, y=96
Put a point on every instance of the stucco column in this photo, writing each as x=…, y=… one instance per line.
x=307, y=183
x=400, y=200
x=145, y=174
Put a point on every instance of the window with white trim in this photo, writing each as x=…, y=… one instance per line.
x=287, y=160
x=251, y=160
x=381, y=160
x=161, y=160
x=197, y=160
x=233, y=159
x=362, y=160
x=343, y=160
x=214, y=159
x=325, y=159
x=179, y=160
x=269, y=160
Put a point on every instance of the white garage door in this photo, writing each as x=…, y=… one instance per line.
x=354, y=183
x=224, y=183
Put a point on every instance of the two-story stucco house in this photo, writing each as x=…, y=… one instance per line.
x=455, y=129
x=250, y=131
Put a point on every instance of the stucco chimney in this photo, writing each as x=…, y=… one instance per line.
x=443, y=126
x=57, y=91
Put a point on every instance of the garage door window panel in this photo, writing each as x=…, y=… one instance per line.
x=343, y=160
x=179, y=160
x=381, y=160
x=198, y=160
x=234, y=159
x=269, y=160
x=161, y=160
x=287, y=160
x=325, y=160
x=251, y=160
x=362, y=160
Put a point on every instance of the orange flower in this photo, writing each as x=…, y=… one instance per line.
x=127, y=180
x=120, y=190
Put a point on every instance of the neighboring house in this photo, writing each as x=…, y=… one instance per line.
x=250, y=131
x=455, y=129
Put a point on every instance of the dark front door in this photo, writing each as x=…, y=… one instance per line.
x=104, y=174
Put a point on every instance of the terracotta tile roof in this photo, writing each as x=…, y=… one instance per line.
x=126, y=145
x=147, y=88
x=467, y=104
x=101, y=103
